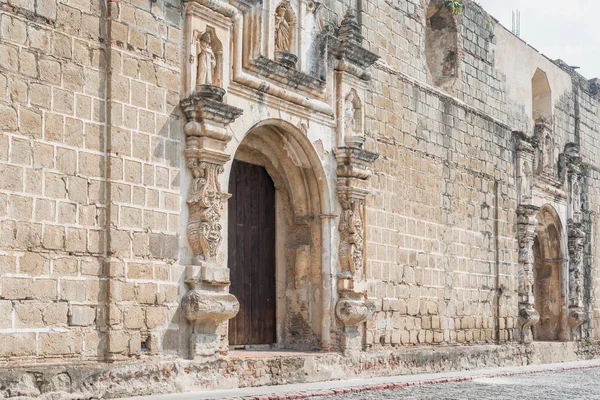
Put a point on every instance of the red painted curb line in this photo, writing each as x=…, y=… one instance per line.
x=384, y=386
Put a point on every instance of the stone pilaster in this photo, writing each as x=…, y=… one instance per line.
x=576, y=237
x=352, y=308
x=207, y=304
x=528, y=316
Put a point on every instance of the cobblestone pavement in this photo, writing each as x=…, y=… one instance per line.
x=559, y=385
x=561, y=381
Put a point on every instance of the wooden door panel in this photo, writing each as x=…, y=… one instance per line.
x=251, y=239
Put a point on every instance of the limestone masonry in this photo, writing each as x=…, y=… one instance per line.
x=352, y=187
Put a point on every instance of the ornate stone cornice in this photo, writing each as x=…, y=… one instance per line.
x=207, y=106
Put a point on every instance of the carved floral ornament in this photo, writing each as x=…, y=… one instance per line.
x=351, y=248
x=205, y=201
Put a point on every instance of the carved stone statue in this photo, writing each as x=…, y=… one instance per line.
x=526, y=182
x=548, y=153
x=283, y=29
x=206, y=59
x=349, y=115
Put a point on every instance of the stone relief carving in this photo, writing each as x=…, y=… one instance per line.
x=349, y=115
x=207, y=304
x=351, y=249
x=547, y=153
x=528, y=316
x=576, y=236
x=209, y=57
x=526, y=177
x=284, y=25
x=205, y=201
x=284, y=21
x=206, y=60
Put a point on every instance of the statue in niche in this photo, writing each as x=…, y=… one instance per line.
x=548, y=153
x=576, y=197
x=349, y=115
x=207, y=61
x=526, y=182
x=283, y=29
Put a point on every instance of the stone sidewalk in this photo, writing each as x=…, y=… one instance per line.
x=332, y=388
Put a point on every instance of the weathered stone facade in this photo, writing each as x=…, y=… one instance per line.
x=436, y=184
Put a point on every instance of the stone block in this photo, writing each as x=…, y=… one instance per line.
x=60, y=343
x=76, y=240
x=40, y=95
x=55, y=314
x=155, y=317
x=118, y=341
x=133, y=317
x=34, y=264
x=8, y=118
x=9, y=57
x=16, y=288
x=13, y=29
x=145, y=293
x=50, y=71
x=31, y=122
x=82, y=315
x=17, y=344
x=6, y=310
x=44, y=290
x=72, y=290
x=54, y=237
x=28, y=314
x=65, y=266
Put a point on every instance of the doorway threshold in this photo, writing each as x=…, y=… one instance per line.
x=276, y=352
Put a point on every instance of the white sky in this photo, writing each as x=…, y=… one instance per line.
x=565, y=29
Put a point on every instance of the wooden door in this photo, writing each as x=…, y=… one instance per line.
x=251, y=242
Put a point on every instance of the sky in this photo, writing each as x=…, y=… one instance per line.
x=565, y=29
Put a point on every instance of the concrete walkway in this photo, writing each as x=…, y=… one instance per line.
x=303, y=390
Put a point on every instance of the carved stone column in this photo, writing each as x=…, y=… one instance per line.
x=526, y=211
x=528, y=316
x=576, y=234
x=352, y=308
x=207, y=304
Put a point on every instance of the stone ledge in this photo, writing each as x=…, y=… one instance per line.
x=148, y=376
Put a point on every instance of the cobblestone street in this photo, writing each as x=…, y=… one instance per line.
x=572, y=380
x=559, y=385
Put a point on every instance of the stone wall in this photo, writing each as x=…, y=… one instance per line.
x=100, y=175
x=52, y=178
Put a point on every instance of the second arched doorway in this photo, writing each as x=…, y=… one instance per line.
x=548, y=288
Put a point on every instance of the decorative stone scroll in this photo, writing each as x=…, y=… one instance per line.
x=207, y=304
x=353, y=173
x=528, y=316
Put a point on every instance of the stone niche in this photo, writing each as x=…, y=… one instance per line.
x=207, y=37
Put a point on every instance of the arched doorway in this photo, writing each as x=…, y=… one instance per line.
x=276, y=240
x=549, y=261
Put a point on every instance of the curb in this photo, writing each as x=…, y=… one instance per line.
x=367, y=388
